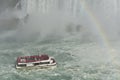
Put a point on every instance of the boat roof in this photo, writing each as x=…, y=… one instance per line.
x=34, y=58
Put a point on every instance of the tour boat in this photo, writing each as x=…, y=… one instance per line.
x=37, y=61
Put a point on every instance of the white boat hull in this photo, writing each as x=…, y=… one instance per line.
x=37, y=66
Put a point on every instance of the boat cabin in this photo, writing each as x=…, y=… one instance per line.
x=27, y=59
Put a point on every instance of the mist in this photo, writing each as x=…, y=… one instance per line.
x=51, y=26
x=57, y=24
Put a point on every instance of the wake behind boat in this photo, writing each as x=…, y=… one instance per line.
x=37, y=61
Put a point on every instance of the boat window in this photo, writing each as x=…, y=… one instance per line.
x=36, y=64
x=44, y=62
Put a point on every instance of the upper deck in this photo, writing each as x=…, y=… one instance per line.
x=34, y=58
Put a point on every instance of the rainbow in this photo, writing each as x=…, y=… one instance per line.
x=101, y=32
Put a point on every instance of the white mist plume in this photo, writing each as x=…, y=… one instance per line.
x=38, y=26
x=46, y=25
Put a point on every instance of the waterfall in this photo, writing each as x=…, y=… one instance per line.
x=45, y=6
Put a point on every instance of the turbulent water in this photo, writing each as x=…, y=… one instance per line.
x=80, y=50
x=75, y=61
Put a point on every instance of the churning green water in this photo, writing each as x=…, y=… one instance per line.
x=75, y=61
